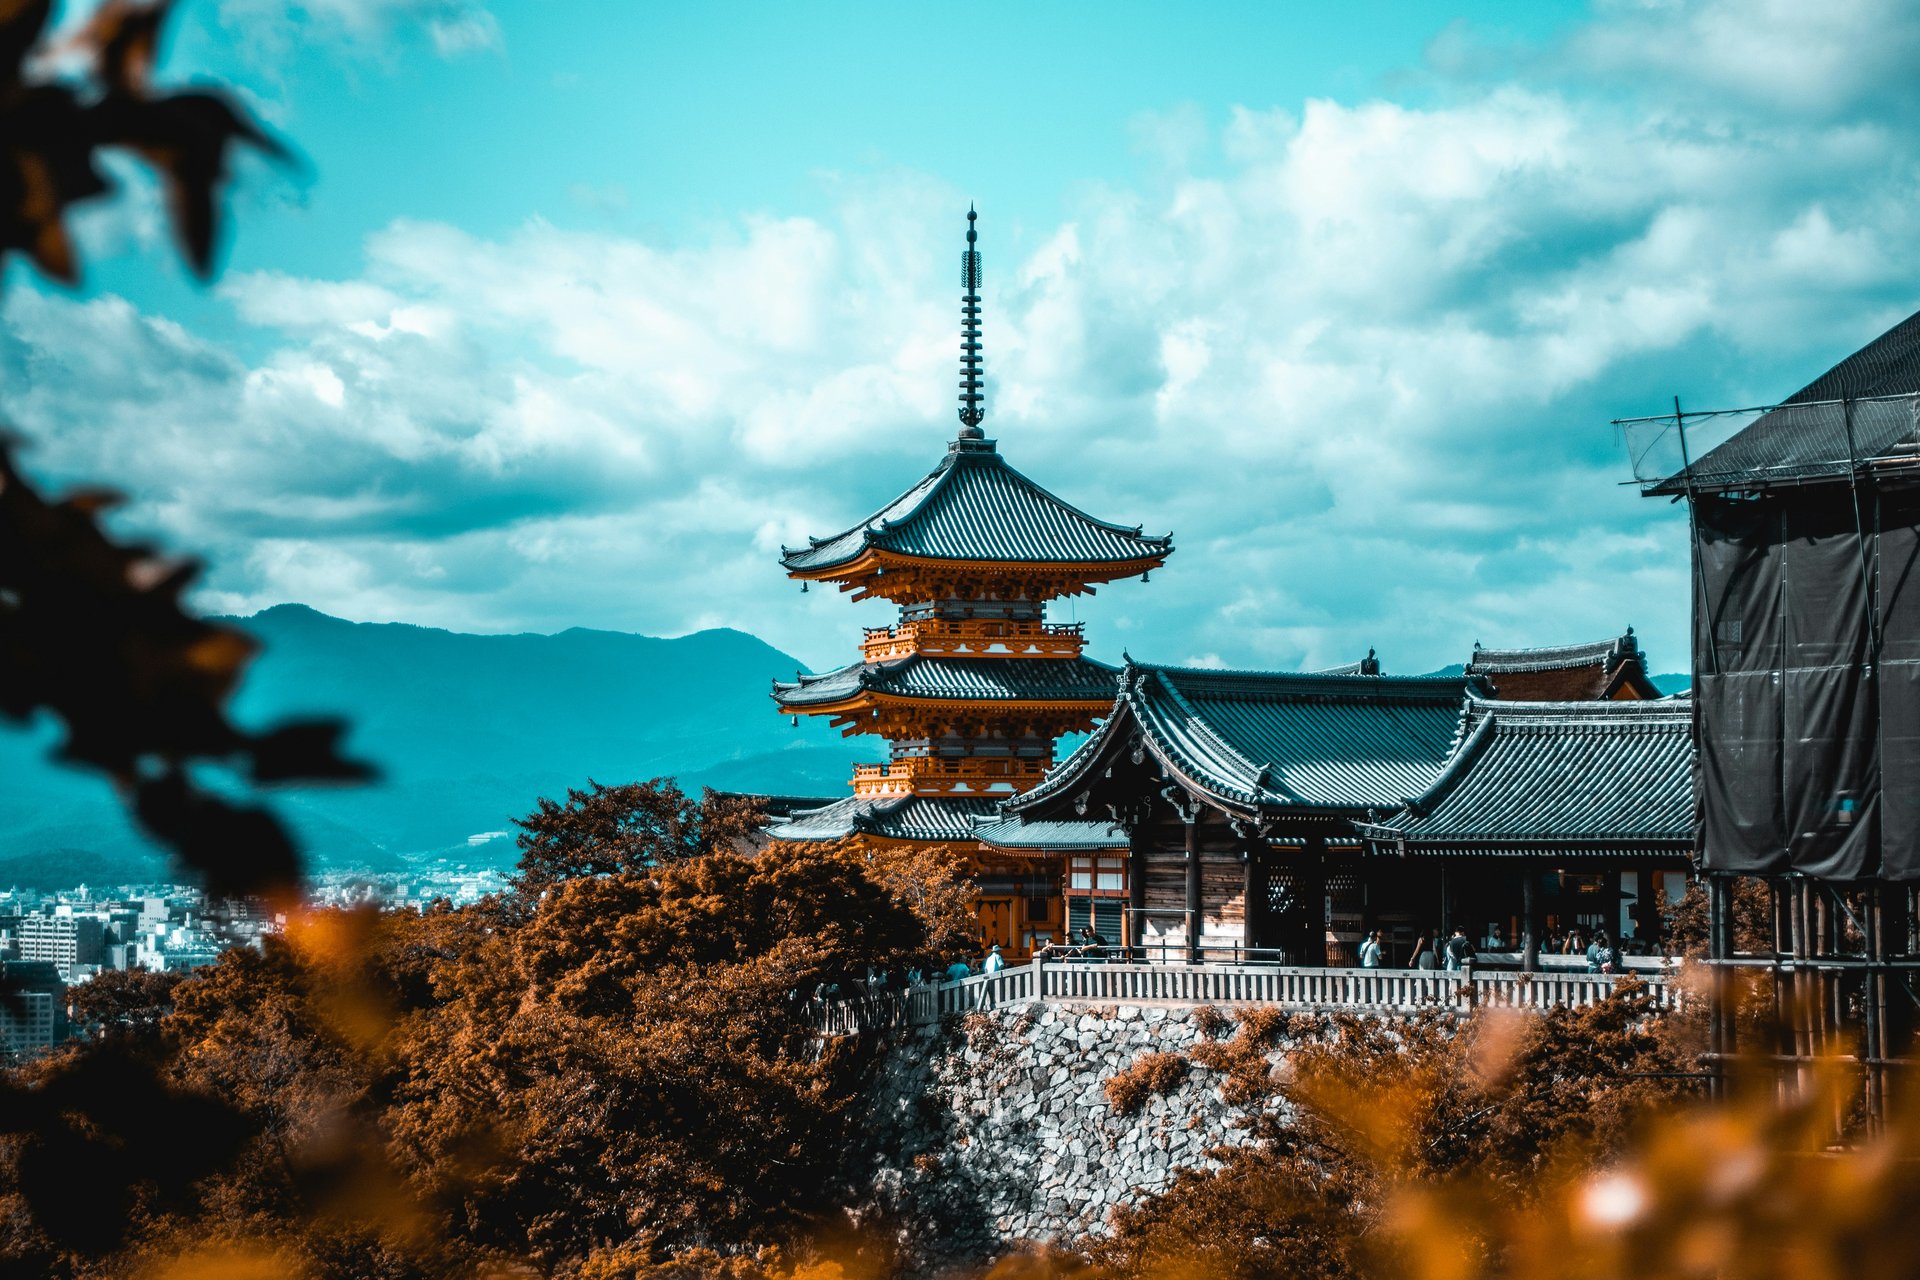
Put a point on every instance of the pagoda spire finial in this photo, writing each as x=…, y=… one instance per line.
x=972, y=400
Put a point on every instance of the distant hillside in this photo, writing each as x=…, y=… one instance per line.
x=468, y=730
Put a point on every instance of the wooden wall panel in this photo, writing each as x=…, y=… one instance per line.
x=1166, y=886
x=1223, y=891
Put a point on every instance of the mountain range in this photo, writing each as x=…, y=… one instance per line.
x=468, y=732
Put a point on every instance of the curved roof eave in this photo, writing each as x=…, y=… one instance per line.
x=1035, y=513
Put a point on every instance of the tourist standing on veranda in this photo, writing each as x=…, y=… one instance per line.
x=1371, y=953
x=993, y=963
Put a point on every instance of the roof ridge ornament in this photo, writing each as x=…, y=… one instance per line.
x=972, y=400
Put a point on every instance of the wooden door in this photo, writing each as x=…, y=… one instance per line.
x=996, y=917
x=1278, y=917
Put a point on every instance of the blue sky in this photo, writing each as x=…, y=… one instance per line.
x=581, y=310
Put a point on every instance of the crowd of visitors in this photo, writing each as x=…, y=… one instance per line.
x=1457, y=951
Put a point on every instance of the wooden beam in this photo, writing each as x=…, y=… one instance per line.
x=1530, y=917
x=1193, y=890
x=1137, y=845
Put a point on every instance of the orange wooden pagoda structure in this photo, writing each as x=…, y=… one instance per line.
x=973, y=685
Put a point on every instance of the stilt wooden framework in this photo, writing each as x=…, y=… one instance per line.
x=1838, y=987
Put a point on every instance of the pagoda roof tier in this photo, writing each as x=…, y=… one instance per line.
x=976, y=509
x=1553, y=779
x=1012, y=835
x=1613, y=668
x=1261, y=744
x=919, y=678
x=898, y=818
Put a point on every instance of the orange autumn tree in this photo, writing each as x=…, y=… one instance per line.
x=622, y=1068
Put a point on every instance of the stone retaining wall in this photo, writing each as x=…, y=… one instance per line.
x=996, y=1128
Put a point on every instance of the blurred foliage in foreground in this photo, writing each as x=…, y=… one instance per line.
x=92, y=629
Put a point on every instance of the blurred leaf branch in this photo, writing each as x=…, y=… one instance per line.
x=92, y=629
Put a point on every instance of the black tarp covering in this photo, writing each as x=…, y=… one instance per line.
x=1737, y=787
x=1897, y=519
x=1798, y=725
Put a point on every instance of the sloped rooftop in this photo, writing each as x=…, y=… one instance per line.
x=1806, y=437
x=1279, y=741
x=1600, y=669
x=956, y=680
x=896, y=818
x=1558, y=778
x=974, y=506
x=1048, y=837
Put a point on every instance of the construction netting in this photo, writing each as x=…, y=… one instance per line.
x=1807, y=681
x=1780, y=444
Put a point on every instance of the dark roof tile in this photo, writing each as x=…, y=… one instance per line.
x=957, y=679
x=1550, y=778
x=1016, y=835
x=1565, y=673
x=1281, y=741
x=896, y=818
x=973, y=506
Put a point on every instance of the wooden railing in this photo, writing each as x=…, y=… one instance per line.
x=1379, y=990
x=1390, y=991
x=974, y=637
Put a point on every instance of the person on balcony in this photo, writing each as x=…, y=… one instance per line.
x=957, y=970
x=1371, y=952
x=1459, y=951
x=1093, y=946
x=993, y=963
x=1423, y=956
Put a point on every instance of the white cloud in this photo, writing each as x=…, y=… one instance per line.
x=453, y=27
x=1360, y=364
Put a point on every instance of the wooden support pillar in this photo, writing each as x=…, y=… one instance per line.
x=1873, y=1047
x=1896, y=1024
x=1253, y=924
x=1610, y=890
x=1529, y=917
x=1646, y=924
x=1720, y=1015
x=1803, y=985
x=1136, y=930
x=1314, y=880
x=1825, y=934
x=1780, y=902
x=1193, y=891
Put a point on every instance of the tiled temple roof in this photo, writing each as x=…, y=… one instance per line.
x=1806, y=437
x=956, y=680
x=973, y=506
x=1266, y=743
x=1016, y=836
x=1367, y=666
x=1601, y=669
x=892, y=817
x=1557, y=778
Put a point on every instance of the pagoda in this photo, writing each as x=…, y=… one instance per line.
x=972, y=686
